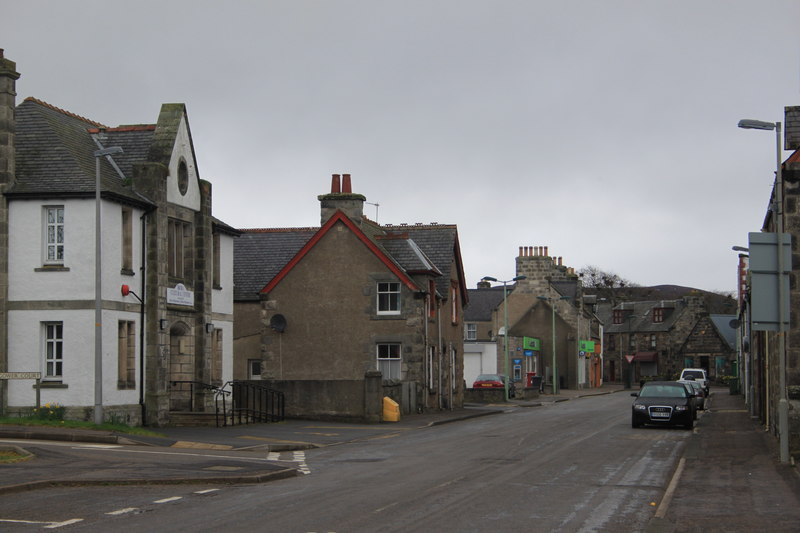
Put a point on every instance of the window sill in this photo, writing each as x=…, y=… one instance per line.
x=127, y=272
x=51, y=385
x=52, y=268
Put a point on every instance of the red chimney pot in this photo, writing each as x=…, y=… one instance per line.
x=346, y=187
x=335, y=186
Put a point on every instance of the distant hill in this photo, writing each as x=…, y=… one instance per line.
x=718, y=304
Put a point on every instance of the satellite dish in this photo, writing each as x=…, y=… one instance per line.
x=278, y=323
x=734, y=323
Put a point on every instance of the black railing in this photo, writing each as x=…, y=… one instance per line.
x=249, y=403
x=182, y=394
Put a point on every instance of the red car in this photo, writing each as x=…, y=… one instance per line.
x=493, y=381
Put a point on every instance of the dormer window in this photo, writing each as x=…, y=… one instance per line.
x=183, y=177
x=658, y=314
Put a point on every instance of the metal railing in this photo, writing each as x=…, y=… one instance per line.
x=183, y=389
x=249, y=404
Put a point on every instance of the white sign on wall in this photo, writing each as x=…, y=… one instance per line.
x=180, y=295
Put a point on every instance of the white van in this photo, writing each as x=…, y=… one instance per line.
x=697, y=374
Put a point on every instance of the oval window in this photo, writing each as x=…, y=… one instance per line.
x=183, y=177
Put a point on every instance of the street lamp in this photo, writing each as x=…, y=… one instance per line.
x=783, y=403
x=553, y=328
x=98, y=297
x=505, y=322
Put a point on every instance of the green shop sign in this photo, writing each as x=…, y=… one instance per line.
x=586, y=346
x=531, y=343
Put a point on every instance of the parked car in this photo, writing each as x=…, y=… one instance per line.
x=663, y=403
x=698, y=374
x=698, y=391
x=494, y=381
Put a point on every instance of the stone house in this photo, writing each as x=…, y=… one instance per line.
x=664, y=336
x=108, y=345
x=760, y=357
x=319, y=312
x=549, y=321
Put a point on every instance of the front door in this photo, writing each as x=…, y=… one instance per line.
x=181, y=367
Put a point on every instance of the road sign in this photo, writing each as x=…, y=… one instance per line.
x=629, y=358
x=20, y=375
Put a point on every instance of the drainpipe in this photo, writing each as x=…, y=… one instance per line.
x=425, y=358
x=452, y=373
x=439, y=351
x=141, y=324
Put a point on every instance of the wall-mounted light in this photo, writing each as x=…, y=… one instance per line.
x=209, y=327
x=162, y=323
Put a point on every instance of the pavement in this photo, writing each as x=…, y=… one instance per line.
x=730, y=463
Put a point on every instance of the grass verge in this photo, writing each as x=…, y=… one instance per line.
x=76, y=424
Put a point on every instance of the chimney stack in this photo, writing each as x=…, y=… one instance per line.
x=342, y=198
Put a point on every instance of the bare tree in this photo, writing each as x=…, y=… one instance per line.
x=595, y=278
x=605, y=284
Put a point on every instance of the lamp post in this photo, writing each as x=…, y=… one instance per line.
x=783, y=402
x=505, y=322
x=553, y=330
x=98, y=297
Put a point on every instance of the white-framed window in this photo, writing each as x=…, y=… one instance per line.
x=653, y=340
x=53, y=350
x=470, y=332
x=126, y=355
x=54, y=235
x=254, y=369
x=389, y=359
x=388, y=298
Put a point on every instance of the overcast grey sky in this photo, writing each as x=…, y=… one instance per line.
x=603, y=129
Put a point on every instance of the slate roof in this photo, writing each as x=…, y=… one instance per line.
x=55, y=155
x=259, y=254
x=482, y=302
x=642, y=320
x=566, y=288
x=439, y=242
x=723, y=325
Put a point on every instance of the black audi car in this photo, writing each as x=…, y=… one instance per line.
x=663, y=403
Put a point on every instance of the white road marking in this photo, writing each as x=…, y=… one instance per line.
x=300, y=459
x=206, y=491
x=120, y=449
x=55, y=525
x=167, y=500
x=50, y=525
x=673, y=484
x=122, y=511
